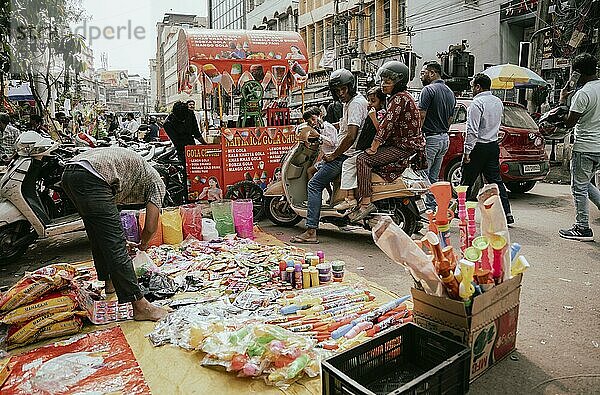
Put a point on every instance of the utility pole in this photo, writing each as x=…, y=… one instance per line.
x=537, y=43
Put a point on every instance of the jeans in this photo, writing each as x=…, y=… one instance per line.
x=485, y=159
x=94, y=200
x=436, y=148
x=584, y=166
x=323, y=177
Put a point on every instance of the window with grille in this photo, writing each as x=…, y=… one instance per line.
x=401, y=15
x=387, y=17
x=372, y=21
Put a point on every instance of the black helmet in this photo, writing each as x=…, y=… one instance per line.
x=342, y=77
x=395, y=71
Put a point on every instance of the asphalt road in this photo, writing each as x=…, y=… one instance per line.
x=558, y=341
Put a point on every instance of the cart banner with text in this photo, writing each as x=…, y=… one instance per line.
x=246, y=154
x=204, y=164
x=232, y=57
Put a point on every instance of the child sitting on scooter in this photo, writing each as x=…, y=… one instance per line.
x=328, y=134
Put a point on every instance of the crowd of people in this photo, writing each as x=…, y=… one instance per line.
x=389, y=127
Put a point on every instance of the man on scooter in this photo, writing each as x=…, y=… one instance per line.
x=97, y=181
x=343, y=87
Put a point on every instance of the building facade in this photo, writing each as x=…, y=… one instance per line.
x=166, y=39
x=359, y=35
x=228, y=14
x=272, y=15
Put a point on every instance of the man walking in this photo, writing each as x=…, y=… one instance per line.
x=481, y=153
x=584, y=114
x=97, y=181
x=436, y=105
x=343, y=87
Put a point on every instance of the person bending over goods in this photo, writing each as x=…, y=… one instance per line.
x=97, y=181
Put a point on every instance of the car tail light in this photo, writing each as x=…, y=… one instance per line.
x=501, y=135
x=504, y=168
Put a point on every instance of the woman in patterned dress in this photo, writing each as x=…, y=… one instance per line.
x=399, y=138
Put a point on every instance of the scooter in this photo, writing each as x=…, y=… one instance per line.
x=286, y=199
x=32, y=204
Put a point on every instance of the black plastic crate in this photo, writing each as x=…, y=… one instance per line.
x=403, y=360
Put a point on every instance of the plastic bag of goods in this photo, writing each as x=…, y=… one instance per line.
x=19, y=335
x=191, y=216
x=223, y=216
x=157, y=239
x=35, y=284
x=53, y=302
x=209, y=230
x=243, y=217
x=129, y=222
x=171, y=226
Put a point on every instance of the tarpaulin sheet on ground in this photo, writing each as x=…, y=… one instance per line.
x=170, y=369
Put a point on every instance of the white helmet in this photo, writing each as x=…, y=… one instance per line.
x=32, y=143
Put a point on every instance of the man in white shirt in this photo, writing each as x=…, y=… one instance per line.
x=132, y=124
x=584, y=115
x=481, y=153
x=343, y=87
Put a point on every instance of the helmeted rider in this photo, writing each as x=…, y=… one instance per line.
x=343, y=87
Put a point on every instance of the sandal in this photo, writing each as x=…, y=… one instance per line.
x=346, y=204
x=302, y=240
x=362, y=212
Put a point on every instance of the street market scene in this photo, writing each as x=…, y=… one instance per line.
x=314, y=197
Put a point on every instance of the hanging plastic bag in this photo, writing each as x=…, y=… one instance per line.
x=397, y=245
x=130, y=225
x=157, y=239
x=209, y=229
x=191, y=219
x=243, y=217
x=171, y=226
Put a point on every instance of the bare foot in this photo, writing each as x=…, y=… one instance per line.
x=109, y=288
x=146, y=311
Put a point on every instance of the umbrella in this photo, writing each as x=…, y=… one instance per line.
x=509, y=76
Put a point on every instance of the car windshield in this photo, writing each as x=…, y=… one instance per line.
x=517, y=117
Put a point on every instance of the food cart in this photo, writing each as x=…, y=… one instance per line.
x=245, y=80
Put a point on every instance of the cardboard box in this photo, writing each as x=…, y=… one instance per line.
x=490, y=330
x=103, y=311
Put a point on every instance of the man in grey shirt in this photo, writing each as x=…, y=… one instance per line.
x=481, y=153
x=436, y=106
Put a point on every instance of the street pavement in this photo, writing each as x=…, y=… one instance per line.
x=558, y=341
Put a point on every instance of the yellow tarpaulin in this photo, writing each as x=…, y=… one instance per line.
x=172, y=370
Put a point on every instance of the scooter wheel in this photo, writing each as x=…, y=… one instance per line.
x=280, y=213
x=8, y=235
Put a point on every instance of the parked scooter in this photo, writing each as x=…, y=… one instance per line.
x=286, y=199
x=32, y=204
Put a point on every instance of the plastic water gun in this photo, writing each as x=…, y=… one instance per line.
x=482, y=243
x=519, y=265
x=431, y=218
x=395, y=319
x=498, y=244
x=466, y=288
x=471, y=225
x=461, y=191
x=370, y=316
x=356, y=329
x=442, y=191
x=442, y=265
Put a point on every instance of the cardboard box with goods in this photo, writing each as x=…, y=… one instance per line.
x=103, y=311
x=490, y=330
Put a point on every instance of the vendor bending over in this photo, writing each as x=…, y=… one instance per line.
x=97, y=181
x=398, y=138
